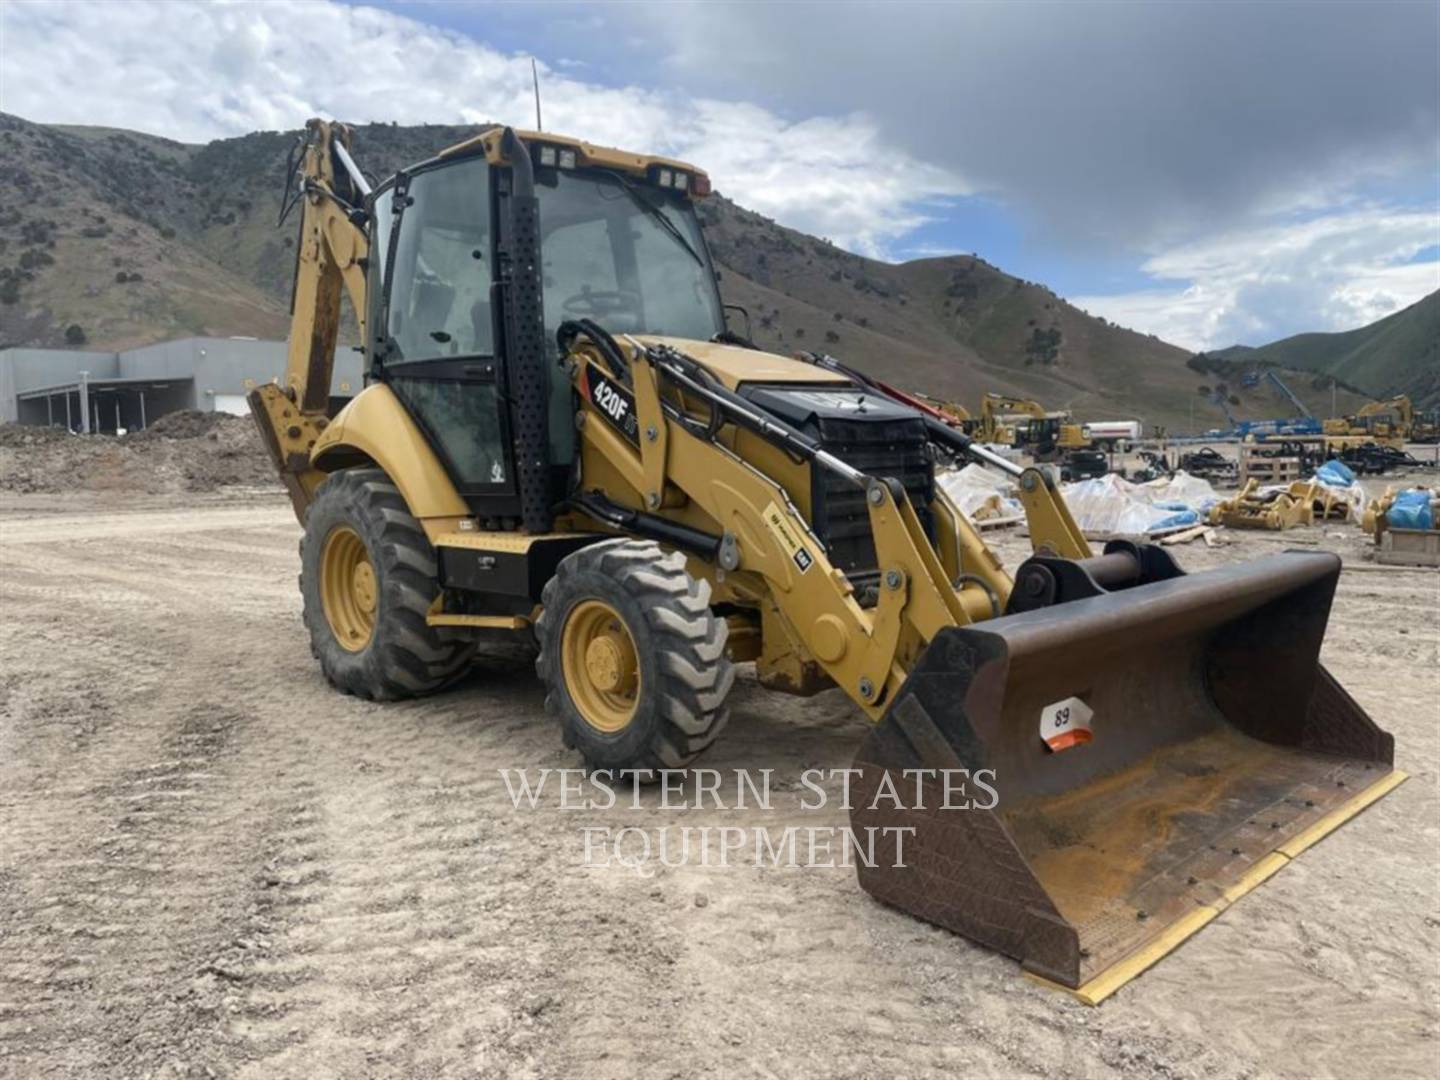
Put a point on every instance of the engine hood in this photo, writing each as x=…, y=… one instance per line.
x=814, y=408
x=735, y=366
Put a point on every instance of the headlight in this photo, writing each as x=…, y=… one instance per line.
x=547, y=156
x=567, y=159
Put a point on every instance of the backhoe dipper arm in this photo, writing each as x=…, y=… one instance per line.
x=333, y=249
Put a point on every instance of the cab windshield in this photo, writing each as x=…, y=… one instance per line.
x=631, y=257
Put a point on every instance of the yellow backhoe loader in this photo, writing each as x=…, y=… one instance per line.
x=559, y=435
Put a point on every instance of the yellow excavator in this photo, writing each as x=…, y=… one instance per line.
x=1386, y=423
x=559, y=436
x=1024, y=423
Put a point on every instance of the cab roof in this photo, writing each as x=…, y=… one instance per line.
x=587, y=154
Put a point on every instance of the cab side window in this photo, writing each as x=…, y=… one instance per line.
x=440, y=341
x=440, y=296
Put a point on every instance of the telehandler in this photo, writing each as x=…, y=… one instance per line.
x=560, y=436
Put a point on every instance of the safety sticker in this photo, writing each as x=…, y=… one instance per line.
x=788, y=538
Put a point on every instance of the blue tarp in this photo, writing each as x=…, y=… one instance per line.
x=1411, y=510
x=1335, y=474
x=1180, y=517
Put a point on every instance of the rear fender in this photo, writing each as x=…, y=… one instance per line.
x=376, y=428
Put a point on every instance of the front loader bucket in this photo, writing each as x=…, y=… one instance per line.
x=1219, y=749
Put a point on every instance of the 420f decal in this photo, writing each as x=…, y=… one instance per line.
x=614, y=403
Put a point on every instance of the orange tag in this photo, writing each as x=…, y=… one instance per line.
x=1064, y=724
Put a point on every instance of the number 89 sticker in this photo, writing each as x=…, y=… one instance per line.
x=1064, y=724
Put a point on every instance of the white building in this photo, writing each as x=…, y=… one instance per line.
x=100, y=391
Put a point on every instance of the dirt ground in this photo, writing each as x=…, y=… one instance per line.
x=211, y=864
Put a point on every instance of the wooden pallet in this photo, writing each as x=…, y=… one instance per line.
x=1269, y=470
x=1409, y=547
x=986, y=524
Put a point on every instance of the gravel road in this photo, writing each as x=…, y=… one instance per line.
x=211, y=864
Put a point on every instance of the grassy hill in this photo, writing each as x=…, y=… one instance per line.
x=1400, y=354
x=118, y=239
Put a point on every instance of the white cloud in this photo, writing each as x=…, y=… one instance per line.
x=1333, y=272
x=1070, y=152
x=195, y=72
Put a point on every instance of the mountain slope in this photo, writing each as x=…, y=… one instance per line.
x=94, y=234
x=1400, y=354
x=121, y=238
x=954, y=326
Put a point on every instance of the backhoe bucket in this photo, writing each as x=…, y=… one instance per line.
x=1218, y=748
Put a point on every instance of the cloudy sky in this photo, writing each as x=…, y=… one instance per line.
x=1210, y=172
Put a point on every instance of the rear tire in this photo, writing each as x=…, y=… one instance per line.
x=367, y=622
x=633, y=632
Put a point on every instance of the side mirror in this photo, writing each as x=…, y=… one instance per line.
x=746, y=338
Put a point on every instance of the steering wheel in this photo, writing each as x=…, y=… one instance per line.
x=602, y=302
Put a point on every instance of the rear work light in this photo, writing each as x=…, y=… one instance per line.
x=553, y=156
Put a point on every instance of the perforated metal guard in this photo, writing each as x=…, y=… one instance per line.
x=528, y=377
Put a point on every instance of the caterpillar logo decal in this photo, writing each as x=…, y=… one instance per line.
x=613, y=402
x=789, y=539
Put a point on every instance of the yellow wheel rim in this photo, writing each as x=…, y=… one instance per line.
x=348, y=589
x=602, y=671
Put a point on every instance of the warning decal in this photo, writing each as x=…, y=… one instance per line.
x=789, y=539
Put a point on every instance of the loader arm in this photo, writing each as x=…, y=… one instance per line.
x=332, y=254
x=773, y=552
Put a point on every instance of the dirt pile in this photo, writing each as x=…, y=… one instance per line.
x=189, y=424
x=182, y=451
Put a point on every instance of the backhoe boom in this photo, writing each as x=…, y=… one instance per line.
x=332, y=253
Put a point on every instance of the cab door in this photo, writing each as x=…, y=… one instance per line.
x=436, y=328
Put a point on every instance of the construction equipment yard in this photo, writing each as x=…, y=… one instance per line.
x=213, y=864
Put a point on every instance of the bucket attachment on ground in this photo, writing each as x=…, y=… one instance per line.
x=1251, y=508
x=1214, y=748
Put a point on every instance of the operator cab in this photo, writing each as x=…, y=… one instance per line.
x=620, y=244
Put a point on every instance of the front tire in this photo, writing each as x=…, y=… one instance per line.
x=368, y=577
x=632, y=657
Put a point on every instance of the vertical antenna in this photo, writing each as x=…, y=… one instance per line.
x=535, y=78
